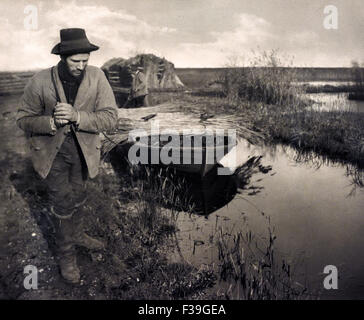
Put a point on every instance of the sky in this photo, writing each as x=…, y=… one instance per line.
x=189, y=33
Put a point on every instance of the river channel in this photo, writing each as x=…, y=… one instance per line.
x=314, y=206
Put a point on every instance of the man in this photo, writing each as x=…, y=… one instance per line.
x=139, y=89
x=63, y=109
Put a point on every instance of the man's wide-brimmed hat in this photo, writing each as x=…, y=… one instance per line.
x=73, y=41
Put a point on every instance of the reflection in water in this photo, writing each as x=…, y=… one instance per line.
x=306, y=199
x=213, y=191
x=209, y=193
x=196, y=194
x=313, y=160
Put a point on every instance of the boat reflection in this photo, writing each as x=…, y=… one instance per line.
x=192, y=192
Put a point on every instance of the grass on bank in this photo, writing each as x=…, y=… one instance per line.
x=270, y=85
x=124, y=211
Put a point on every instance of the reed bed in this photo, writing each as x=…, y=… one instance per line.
x=271, y=85
x=251, y=269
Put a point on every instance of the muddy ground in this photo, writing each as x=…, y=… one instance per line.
x=133, y=265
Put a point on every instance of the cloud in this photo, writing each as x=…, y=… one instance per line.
x=117, y=33
x=191, y=42
x=251, y=32
x=21, y=49
x=102, y=22
x=247, y=41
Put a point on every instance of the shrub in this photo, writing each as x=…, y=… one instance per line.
x=266, y=80
x=358, y=76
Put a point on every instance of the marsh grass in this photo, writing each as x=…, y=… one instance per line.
x=263, y=81
x=250, y=268
x=337, y=134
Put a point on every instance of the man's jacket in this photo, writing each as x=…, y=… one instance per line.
x=139, y=85
x=95, y=102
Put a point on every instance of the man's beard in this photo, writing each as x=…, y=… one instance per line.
x=76, y=76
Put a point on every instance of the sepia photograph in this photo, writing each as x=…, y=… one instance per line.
x=182, y=154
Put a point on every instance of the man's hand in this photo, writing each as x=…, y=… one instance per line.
x=64, y=113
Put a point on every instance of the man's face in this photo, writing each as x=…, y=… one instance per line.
x=77, y=63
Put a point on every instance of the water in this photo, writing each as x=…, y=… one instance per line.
x=335, y=102
x=318, y=220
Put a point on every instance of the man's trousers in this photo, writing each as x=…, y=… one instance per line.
x=66, y=179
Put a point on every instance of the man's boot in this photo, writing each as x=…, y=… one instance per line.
x=80, y=238
x=68, y=265
x=66, y=254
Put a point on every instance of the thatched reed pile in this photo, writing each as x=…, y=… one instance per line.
x=159, y=72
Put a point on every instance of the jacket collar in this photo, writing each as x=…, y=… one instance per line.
x=82, y=90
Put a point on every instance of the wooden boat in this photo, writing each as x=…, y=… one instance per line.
x=198, y=156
